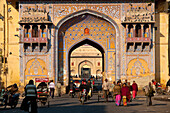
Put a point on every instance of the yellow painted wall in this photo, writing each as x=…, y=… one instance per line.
x=12, y=41
x=163, y=43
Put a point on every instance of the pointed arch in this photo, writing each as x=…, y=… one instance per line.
x=60, y=43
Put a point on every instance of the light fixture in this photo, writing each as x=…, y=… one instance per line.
x=1, y=17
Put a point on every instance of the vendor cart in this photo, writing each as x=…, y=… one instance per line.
x=42, y=90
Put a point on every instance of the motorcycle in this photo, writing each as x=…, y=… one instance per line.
x=160, y=90
x=83, y=97
x=10, y=99
x=72, y=93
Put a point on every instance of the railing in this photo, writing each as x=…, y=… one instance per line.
x=35, y=40
x=138, y=39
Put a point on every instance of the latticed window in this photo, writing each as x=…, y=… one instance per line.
x=43, y=31
x=130, y=31
x=146, y=30
x=27, y=33
x=138, y=31
x=34, y=31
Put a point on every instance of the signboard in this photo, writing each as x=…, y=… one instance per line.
x=41, y=79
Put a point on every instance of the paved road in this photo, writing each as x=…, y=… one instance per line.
x=65, y=104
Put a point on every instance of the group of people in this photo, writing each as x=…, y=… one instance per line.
x=126, y=92
x=120, y=91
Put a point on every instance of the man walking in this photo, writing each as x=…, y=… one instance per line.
x=105, y=87
x=30, y=94
x=52, y=88
x=149, y=92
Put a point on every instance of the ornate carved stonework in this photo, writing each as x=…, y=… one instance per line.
x=113, y=10
x=138, y=13
x=34, y=14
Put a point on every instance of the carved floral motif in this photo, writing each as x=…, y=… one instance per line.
x=111, y=10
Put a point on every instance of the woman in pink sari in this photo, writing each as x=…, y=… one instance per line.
x=117, y=93
x=134, y=89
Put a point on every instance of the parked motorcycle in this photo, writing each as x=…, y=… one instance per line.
x=10, y=99
x=72, y=93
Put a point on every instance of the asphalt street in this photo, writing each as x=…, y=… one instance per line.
x=66, y=104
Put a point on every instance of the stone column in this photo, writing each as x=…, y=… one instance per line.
x=46, y=27
x=31, y=35
x=149, y=30
x=39, y=37
x=142, y=28
x=46, y=36
x=30, y=30
x=127, y=30
x=23, y=28
x=39, y=31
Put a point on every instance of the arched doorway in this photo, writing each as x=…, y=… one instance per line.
x=87, y=28
x=86, y=59
x=85, y=66
x=85, y=72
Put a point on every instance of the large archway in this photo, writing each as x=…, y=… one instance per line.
x=87, y=28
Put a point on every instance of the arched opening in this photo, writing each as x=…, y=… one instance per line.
x=146, y=30
x=34, y=31
x=138, y=31
x=130, y=30
x=26, y=30
x=87, y=58
x=86, y=27
x=43, y=31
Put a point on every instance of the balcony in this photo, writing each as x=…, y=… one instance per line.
x=138, y=39
x=35, y=40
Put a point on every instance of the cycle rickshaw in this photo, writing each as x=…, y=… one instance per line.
x=42, y=90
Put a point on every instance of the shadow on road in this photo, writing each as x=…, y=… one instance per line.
x=75, y=109
x=134, y=104
x=159, y=104
x=62, y=104
x=6, y=109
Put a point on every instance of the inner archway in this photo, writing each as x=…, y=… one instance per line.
x=86, y=58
